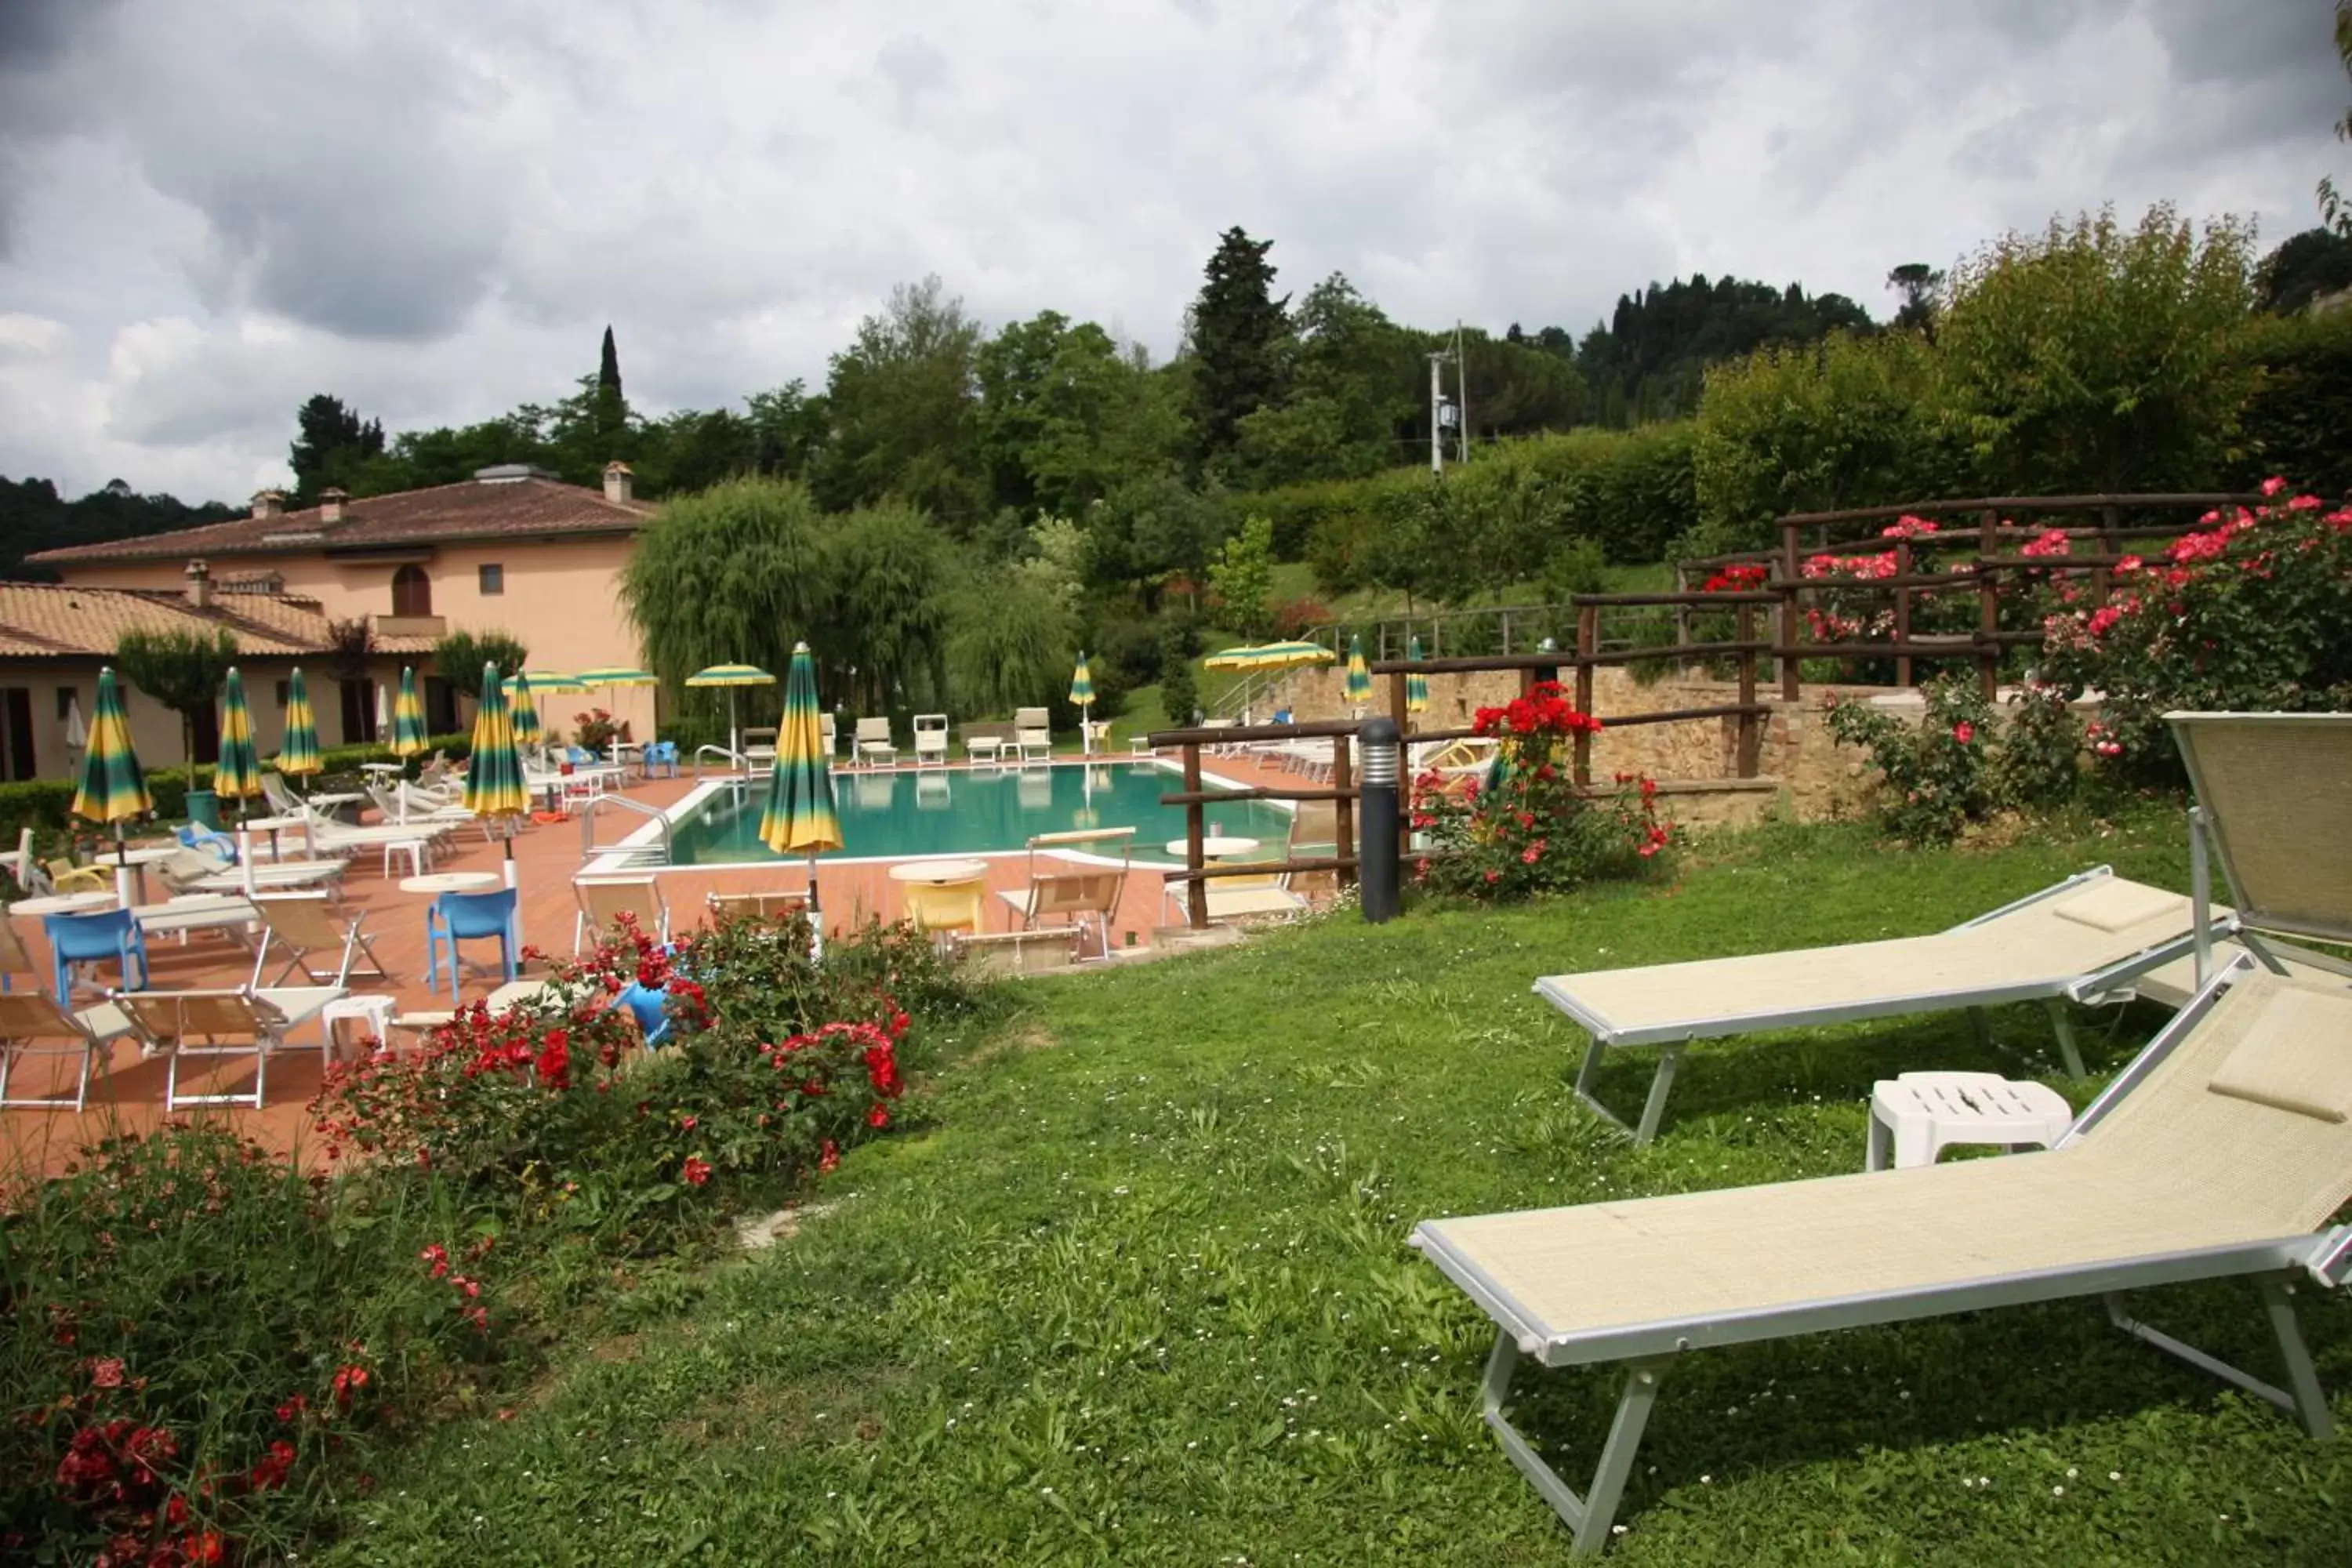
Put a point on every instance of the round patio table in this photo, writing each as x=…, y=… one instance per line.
x=1214, y=847
x=63, y=904
x=937, y=871
x=451, y=882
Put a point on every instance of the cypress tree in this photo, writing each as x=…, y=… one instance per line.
x=1238, y=330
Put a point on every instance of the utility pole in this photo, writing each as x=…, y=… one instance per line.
x=1437, y=412
x=1462, y=387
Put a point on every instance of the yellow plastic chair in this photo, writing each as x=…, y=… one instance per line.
x=946, y=906
x=68, y=878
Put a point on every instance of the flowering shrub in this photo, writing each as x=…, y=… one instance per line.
x=1737, y=579
x=1935, y=778
x=2247, y=613
x=596, y=731
x=1295, y=617
x=195, y=1331
x=1530, y=830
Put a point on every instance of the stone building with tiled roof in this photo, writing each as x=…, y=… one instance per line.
x=511, y=550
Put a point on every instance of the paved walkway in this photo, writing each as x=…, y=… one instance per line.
x=129, y=1097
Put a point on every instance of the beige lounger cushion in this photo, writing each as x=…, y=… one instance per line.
x=2117, y=905
x=2030, y=948
x=2293, y=1059
x=2173, y=1168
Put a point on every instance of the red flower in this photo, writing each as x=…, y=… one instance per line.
x=270, y=1471
x=438, y=1256
x=107, y=1372
x=697, y=1171
x=2273, y=485
x=349, y=1381
x=685, y=1123
x=879, y=1116
x=293, y=1406
x=1963, y=732
x=828, y=1159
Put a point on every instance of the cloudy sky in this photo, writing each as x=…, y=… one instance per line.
x=210, y=209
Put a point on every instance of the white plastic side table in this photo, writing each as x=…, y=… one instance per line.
x=374, y=1013
x=1916, y=1117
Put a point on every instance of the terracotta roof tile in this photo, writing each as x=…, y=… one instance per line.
x=40, y=620
x=520, y=507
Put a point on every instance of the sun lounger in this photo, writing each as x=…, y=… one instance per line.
x=1033, y=734
x=2218, y=1154
x=604, y=899
x=1070, y=892
x=245, y=1022
x=2274, y=806
x=2082, y=939
x=33, y=1025
x=871, y=742
x=930, y=739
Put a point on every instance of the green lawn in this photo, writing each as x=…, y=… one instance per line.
x=1133, y=1286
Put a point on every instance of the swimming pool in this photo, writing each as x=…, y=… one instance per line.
x=972, y=811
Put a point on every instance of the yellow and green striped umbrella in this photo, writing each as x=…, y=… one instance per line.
x=1416, y=685
x=731, y=676
x=547, y=680
x=238, y=775
x=799, y=818
x=1360, y=674
x=617, y=674
x=523, y=713
x=298, y=755
x=1269, y=656
x=1082, y=684
x=408, y=718
x=494, y=774
x=113, y=789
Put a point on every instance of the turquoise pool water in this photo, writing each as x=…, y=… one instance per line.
x=957, y=811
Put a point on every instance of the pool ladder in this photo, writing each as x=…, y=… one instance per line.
x=648, y=854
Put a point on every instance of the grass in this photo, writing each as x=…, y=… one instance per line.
x=1134, y=1287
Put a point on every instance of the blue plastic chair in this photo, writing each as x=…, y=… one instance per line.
x=110, y=936
x=581, y=757
x=661, y=754
x=453, y=918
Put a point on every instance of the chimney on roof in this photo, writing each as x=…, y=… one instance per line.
x=620, y=485
x=330, y=504
x=200, y=586
x=268, y=504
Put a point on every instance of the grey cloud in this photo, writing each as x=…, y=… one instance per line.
x=913, y=68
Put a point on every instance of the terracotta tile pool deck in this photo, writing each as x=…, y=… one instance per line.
x=129, y=1095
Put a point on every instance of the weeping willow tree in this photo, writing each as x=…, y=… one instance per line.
x=739, y=572
x=1009, y=644
x=888, y=567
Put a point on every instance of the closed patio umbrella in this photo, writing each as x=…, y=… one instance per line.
x=799, y=818
x=111, y=790
x=1416, y=684
x=494, y=787
x=522, y=714
x=408, y=718
x=298, y=755
x=1360, y=674
x=1082, y=693
x=731, y=676
x=238, y=775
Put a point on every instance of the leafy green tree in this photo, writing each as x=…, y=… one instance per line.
x=2094, y=358
x=2316, y=262
x=611, y=409
x=1149, y=530
x=461, y=655
x=1237, y=337
x=1180, y=688
x=1243, y=578
x=1917, y=282
x=2333, y=209
x=888, y=572
x=1846, y=422
x=1056, y=560
x=34, y=517
x=1650, y=360
x=1009, y=644
x=904, y=406
x=1066, y=414
x=333, y=448
x=734, y=574
x=184, y=670
x=1349, y=386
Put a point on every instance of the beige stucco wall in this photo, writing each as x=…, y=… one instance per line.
x=562, y=600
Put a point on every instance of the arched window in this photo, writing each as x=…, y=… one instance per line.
x=411, y=592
